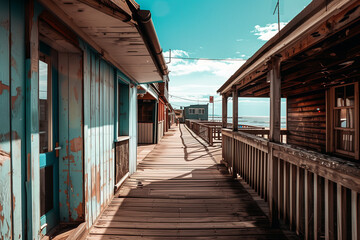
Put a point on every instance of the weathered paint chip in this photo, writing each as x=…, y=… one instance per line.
x=76, y=144
x=4, y=87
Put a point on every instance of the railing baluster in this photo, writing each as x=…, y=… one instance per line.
x=280, y=186
x=286, y=191
x=329, y=210
x=355, y=215
x=273, y=187
x=342, y=214
x=242, y=160
x=261, y=176
x=266, y=177
x=318, y=203
x=292, y=195
x=299, y=200
x=309, y=203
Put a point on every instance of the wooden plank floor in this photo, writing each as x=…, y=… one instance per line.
x=181, y=192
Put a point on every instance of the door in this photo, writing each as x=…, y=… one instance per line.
x=48, y=142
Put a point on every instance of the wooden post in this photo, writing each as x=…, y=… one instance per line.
x=224, y=111
x=274, y=77
x=235, y=110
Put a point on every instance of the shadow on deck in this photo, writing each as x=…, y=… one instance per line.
x=180, y=191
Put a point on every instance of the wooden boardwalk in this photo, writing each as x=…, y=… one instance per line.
x=181, y=192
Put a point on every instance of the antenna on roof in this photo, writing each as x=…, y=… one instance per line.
x=169, y=57
x=277, y=7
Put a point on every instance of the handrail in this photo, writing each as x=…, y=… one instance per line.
x=315, y=194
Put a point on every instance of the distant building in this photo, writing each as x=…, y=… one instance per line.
x=198, y=112
x=179, y=114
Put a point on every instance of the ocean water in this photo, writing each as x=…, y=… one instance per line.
x=259, y=121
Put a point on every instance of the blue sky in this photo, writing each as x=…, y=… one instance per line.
x=226, y=29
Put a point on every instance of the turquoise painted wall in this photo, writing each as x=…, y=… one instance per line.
x=87, y=103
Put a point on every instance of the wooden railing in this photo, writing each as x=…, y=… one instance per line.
x=208, y=131
x=316, y=195
x=211, y=131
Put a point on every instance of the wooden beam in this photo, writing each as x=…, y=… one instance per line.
x=235, y=110
x=274, y=77
x=224, y=111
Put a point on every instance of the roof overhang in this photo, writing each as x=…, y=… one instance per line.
x=146, y=88
x=320, y=19
x=109, y=26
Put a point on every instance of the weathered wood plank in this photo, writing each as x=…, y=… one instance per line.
x=174, y=197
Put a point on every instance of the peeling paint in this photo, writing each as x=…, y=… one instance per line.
x=3, y=87
x=76, y=144
x=4, y=156
x=1, y=215
x=80, y=211
x=13, y=63
x=97, y=183
x=76, y=94
x=14, y=98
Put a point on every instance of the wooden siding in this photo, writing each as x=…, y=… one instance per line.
x=71, y=137
x=99, y=132
x=160, y=130
x=145, y=132
x=306, y=121
x=133, y=129
x=5, y=130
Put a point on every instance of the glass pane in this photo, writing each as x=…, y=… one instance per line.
x=44, y=97
x=339, y=96
x=349, y=95
x=340, y=118
x=345, y=140
x=350, y=118
x=344, y=118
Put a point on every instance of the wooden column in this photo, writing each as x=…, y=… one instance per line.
x=274, y=77
x=224, y=111
x=235, y=110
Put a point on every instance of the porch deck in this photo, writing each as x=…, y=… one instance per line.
x=181, y=191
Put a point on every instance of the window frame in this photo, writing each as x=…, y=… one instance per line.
x=47, y=59
x=331, y=140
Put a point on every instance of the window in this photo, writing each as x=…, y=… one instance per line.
x=123, y=109
x=146, y=111
x=45, y=105
x=345, y=120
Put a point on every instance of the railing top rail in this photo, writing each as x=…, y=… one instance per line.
x=335, y=169
x=248, y=138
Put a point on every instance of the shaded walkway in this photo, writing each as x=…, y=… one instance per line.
x=181, y=192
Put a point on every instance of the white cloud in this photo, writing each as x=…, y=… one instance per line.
x=267, y=32
x=220, y=68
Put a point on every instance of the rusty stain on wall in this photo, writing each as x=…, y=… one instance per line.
x=76, y=94
x=3, y=87
x=4, y=156
x=76, y=144
x=14, y=98
x=97, y=184
x=1, y=215
x=80, y=211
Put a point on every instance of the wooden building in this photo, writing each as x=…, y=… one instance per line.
x=69, y=72
x=196, y=112
x=312, y=182
x=153, y=111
